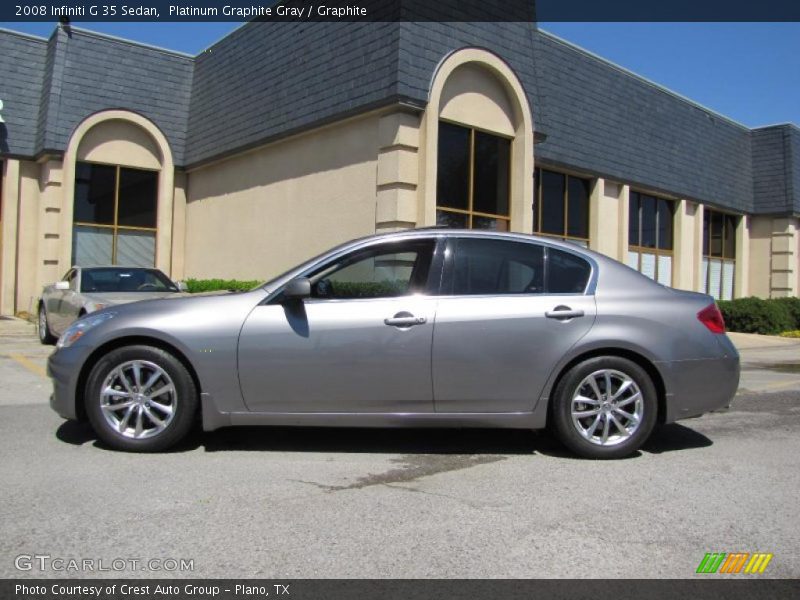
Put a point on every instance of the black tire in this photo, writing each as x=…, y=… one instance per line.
x=567, y=430
x=184, y=402
x=45, y=337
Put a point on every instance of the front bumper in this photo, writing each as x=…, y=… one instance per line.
x=695, y=387
x=64, y=367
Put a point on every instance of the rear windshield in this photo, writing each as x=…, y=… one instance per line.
x=125, y=280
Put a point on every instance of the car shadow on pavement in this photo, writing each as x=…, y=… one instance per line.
x=667, y=438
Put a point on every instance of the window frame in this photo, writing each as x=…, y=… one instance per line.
x=709, y=257
x=448, y=269
x=538, y=204
x=116, y=227
x=656, y=251
x=470, y=213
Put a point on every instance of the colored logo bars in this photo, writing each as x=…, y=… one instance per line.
x=737, y=562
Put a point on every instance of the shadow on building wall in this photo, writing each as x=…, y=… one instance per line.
x=3, y=138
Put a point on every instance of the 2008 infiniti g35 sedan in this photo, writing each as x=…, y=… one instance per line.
x=421, y=328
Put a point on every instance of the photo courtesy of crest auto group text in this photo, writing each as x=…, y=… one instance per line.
x=399, y=299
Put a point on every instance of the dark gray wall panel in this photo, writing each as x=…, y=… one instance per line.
x=794, y=162
x=22, y=68
x=99, y=73
x=607, y=121
x=770, y=169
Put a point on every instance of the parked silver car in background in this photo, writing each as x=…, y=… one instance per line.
x=84, y=290
x=414, y=329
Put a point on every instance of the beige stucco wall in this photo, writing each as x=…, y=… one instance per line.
x=120, y=142
x=760, y=256
x=257, y=214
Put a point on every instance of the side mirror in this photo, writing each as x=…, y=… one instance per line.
x=297, y=289
x=62, y=285
x=181, y=285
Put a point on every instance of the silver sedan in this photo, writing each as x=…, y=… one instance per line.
x=426, y=328
x=84, y=290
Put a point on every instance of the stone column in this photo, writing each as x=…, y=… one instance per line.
x=398, y=172
x=49, y=268
x=741, y=276
x=607, y=219
x=686, y=260
x=178, y=261
x=783, y=269
x=8, y=236
x=29, y=239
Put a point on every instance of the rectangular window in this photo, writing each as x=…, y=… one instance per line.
x=650, y=236
x=719, y=253
x=472, y=188
x=115, y=213
x=561, y=206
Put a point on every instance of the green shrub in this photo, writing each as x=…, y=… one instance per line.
x=793, y=307
x=755, y=315
x=368, y=289
x=212, y=285
x=791, y=334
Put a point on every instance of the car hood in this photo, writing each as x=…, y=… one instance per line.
x=114, y=298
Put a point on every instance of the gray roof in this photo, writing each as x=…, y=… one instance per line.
x=268, y=80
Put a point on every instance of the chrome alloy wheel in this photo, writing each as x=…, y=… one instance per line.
x=607, y=407
x=138, y=399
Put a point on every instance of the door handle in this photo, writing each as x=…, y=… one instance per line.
x=405, y=320
x=563, y=312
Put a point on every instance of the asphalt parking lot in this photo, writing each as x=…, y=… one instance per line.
x=298, y=503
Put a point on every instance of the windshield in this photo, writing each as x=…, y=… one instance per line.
x=116, y=279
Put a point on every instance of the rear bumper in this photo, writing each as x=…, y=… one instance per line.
x=695, y=387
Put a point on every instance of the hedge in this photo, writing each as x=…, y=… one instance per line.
x=342, y=289
x=213, y=285
x=756, y=315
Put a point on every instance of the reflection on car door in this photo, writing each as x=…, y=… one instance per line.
x=509, y=312
x=361, y=343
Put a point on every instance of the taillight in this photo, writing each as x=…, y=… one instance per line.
x=712, y=318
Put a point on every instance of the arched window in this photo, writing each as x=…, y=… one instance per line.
x=119, y=187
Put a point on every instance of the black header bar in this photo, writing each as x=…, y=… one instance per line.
x=401, y=10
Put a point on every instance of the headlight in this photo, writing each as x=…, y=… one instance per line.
x=78, y=328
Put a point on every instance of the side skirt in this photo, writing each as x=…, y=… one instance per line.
x=212, y=419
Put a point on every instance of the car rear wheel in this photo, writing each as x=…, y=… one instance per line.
x=140, y=399
x=604, y=407
x=45, y=336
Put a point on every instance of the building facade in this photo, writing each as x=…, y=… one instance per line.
x=284, y=139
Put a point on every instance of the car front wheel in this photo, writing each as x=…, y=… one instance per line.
x=45, y=336
x=605, y=407
x=140, y=399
